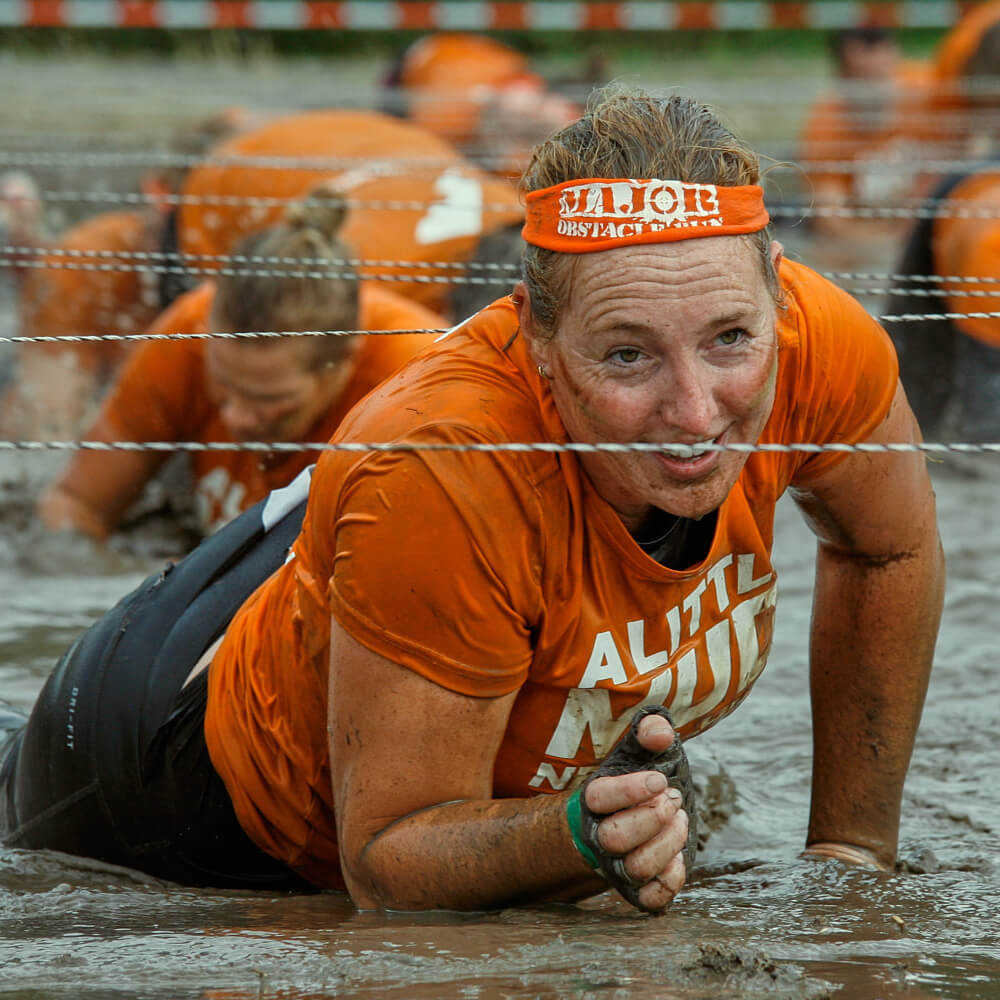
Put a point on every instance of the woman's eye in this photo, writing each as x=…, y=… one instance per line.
x=730, y=337
x=626, y=355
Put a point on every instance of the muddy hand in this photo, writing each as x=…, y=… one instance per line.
x=636, y=813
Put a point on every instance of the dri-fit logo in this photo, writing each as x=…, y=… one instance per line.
x=620, y=209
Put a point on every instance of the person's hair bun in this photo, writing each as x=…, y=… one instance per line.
x=323, y=209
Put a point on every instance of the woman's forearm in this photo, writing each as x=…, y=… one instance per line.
x=473, y=855
x=418, y=827
x=60, y=510
x=874, y=629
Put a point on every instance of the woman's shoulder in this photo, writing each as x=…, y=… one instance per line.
x=816, y=313
x=476, y=374
x=474, y=387
x=188, y=313
x=118, y=230
x=826, y=335
x=837, y=367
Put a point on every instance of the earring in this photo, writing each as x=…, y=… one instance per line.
x=542, y=371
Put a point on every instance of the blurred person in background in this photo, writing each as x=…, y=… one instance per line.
x=415, y=202
x=493, y=269
x=22, y=223
x=855, y=140
x=481, y=96
x=236, y=390
x=963, y=104
x=90, y=283
x=950, y=367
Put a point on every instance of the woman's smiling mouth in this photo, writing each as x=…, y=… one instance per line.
x=689, y=460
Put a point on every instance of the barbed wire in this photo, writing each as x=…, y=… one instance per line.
x=925, y=208
x=376, y=166
x=229, y=272
x=206, y=272
x=84, y=338
x=18, y=252
x=158, y=256
x=926, y=293
x=90, y=338
x=917, y=158
x=920, y=317
x=554, y=447
x=895, y=276
x=506, y=273
x=261, y=201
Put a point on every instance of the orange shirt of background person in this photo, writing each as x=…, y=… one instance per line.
x=517, y=575
x=103, y=290
x=64, y=298
x=58, y=381
x=955, y=122
x=413, y=197
x=164, y=393
x=966, y=243
x=856, y=141
x=948, y=66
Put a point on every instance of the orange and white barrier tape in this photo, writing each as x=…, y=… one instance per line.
x=456, y=15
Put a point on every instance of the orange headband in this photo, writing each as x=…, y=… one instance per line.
x=599, y=213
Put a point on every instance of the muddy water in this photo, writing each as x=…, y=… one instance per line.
x=756, y=921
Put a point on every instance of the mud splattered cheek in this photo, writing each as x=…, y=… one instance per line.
x=592, y=415
x=763, y=399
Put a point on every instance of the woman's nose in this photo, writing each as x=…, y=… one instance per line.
x=689, y=406
x=238, y=416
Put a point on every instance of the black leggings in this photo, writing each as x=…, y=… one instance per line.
x=112, y=763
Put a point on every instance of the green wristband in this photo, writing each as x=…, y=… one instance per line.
x=574, y=814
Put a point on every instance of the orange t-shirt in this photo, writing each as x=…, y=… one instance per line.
x=873, y=143
x=162, y=395
x=413, y=197
x=57, y=301
x=970, y=247
x=515, y=575
x=946, y=119
x=955, y=50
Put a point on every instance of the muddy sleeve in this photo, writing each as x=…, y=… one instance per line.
x=436, y=565
x=846, y=378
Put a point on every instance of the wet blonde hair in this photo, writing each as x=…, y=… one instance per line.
x=628, y=133
x=298, y=299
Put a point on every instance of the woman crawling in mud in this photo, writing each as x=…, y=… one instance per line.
x=423, y=701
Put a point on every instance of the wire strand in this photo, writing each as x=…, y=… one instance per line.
x=602, y=447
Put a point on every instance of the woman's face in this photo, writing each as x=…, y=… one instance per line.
x=672, y=343
x=267, y=391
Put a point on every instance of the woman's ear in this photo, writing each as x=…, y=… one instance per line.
x=777, y=254
x=526, y=323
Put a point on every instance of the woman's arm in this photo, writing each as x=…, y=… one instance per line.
x=412, y=766
x=877, y=606
x=96, y=487
x=159, y=395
